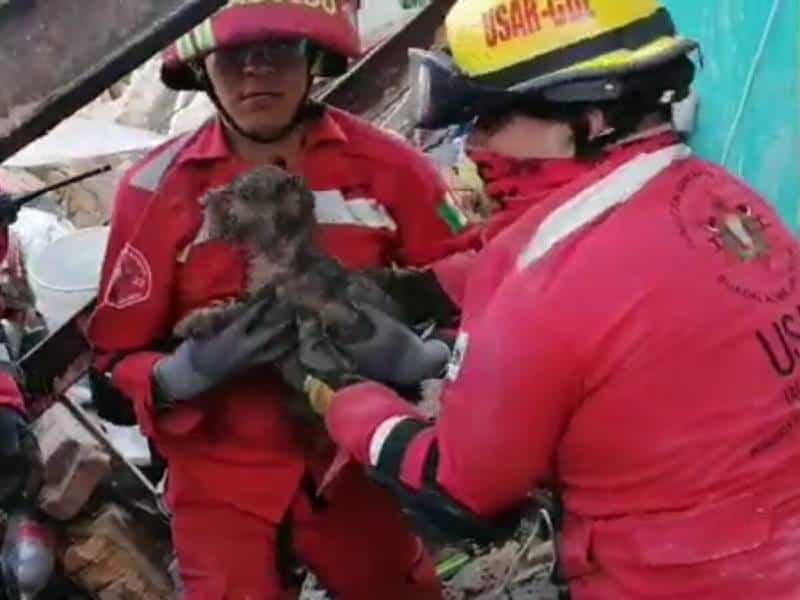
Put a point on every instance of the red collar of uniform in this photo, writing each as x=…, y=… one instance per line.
x=211, y=143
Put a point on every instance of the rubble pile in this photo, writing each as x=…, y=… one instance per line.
x=518, y=570
x=503, y=573
x=102, y=548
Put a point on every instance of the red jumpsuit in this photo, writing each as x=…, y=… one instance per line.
x=633, y=341
x=236, y=460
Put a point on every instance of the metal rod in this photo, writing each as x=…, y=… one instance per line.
x=21, y=200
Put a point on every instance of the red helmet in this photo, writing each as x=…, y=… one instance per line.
x=328, y=24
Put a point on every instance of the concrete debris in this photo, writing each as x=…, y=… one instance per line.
x=379, y=20
x=113, y=559
x=505, y=574
x=74, y=463
x=146, y=103
x=487, y=572
x=118, y=128
x=526, y=575
x=83, y=139
x=18, y=181
x=192, y=109
x=535, y=590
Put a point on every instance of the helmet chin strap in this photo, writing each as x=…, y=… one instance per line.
x=298, y=117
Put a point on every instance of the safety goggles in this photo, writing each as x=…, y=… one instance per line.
x=275, y=54
x=441, y=95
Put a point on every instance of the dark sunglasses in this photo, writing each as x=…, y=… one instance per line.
x=277, y=54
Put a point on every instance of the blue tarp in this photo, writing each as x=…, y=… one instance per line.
x=766, y=148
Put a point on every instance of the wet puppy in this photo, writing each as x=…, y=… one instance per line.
x=270, y=215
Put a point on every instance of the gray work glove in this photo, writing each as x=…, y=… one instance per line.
x=392, y=353
x=262, y=334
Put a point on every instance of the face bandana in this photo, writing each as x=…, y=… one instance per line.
x=511, y=181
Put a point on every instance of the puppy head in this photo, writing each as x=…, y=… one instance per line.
x=266, y=206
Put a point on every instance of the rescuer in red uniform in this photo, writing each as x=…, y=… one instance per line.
x=631, y=341
x=243, y=476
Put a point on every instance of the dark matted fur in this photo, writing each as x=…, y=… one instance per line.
x=270, y=213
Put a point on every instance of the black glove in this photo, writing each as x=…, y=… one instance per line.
x=419, y=295
x=315, y=369
x=392, y=353
x=263, y=333
x=384, y=350
x=20, y=461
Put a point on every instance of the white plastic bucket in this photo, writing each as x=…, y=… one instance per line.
x=36, y=229
x=65, y=275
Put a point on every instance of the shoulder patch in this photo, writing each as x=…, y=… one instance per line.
x=131, y=281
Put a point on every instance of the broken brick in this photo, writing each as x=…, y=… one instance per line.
x=74, y=463
x=113, y=559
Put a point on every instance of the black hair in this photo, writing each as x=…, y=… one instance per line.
x=646, y=95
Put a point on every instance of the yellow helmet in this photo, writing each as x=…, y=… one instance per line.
x=561, y=50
